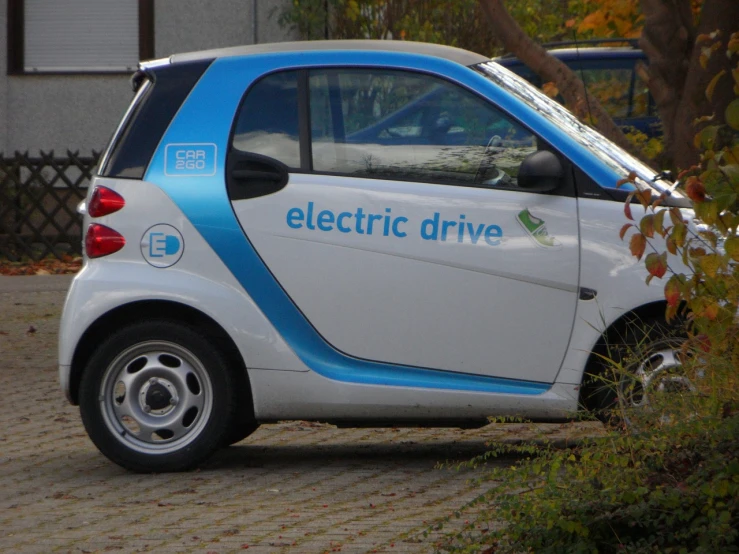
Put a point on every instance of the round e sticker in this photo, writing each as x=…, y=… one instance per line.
x=162, y=245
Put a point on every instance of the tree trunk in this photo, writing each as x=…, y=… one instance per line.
x=667, y=40
x=549, y=68
x=716, y=15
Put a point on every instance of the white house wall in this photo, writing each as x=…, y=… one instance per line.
x=79, y=112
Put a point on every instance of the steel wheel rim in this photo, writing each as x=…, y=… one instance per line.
x=156, y=397
x=660, y=372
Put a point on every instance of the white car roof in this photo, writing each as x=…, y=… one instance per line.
x=464, y=57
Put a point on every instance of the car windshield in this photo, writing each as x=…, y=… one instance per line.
x=607, y=152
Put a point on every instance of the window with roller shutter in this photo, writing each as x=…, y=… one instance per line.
x=79, y=36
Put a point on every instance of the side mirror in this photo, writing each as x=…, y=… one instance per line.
x=540, y=171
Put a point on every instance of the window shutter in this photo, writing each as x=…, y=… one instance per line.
x=81, y=35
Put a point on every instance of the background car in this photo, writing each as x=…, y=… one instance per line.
x=609, y=73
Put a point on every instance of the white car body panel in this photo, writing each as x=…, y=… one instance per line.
x=283, y=395
x=609, y=268
x=426, y=303
x=199, y=280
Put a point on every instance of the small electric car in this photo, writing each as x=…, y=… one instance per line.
x=355, y=232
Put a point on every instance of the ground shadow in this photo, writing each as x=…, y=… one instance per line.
x=426, y=454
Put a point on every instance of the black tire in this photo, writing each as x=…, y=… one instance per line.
x=157, y=396
x=624, y=366
x=241, y=428
x=243, y=422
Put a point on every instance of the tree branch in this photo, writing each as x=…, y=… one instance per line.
x=549, y=68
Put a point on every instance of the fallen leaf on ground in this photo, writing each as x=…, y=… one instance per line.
x=48, y=266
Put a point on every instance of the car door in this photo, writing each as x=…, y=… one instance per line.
x=411, y=245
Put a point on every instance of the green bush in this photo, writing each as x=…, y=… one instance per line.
x=672, y=489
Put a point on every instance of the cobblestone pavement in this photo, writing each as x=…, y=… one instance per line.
x=290, y=487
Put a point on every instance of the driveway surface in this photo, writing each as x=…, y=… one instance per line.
x=290, y=487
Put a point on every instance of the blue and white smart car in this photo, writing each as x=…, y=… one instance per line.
x=355, y=232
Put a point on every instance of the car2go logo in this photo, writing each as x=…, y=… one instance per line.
x=386, y=224
x=190, y=160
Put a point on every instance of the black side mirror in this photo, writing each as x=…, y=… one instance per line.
x=540, y=171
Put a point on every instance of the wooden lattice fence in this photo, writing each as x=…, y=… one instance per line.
x=38, y=203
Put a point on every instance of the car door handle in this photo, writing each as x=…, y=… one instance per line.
x=244, y=174
x=249, y=175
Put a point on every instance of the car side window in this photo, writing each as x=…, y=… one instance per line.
x=391, y=124
x=267, y=122
x=617, y=86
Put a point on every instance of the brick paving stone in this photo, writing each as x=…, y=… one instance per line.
x=290, y=487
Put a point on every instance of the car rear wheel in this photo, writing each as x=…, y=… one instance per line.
x=157, y=396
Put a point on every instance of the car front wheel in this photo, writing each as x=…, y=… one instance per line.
x=157, y=396
x=641, y=375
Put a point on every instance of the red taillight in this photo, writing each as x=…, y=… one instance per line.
x=101, y=241
x=104, y=201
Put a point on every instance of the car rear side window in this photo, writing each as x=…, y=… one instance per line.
x=150, y=114
x=267, y=122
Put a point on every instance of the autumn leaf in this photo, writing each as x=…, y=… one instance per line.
x=550, y=89
x=592, y=22
x=670, y=313
x=706, y=52
x=707, y=212
x=671, y=246
x=659, y=225
x=701, y=119
x=703, y=342
x=678, y=234
x=672, y=290
x=706, y=138
x=646, y=226
x=707, y=37
x=623, y=230
x=656, y=264
x=732, y=114
x=684, y=172
x=637, y=245
x=733, y=46
x=627, y=208
x=644, y=197
x=710, y=237
x=49, y=266
x=712, y=85
x=676, y=216
x=630, y=179
x=710, y=264
x=711, y=311
x=695, y=190
x=731, y=245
